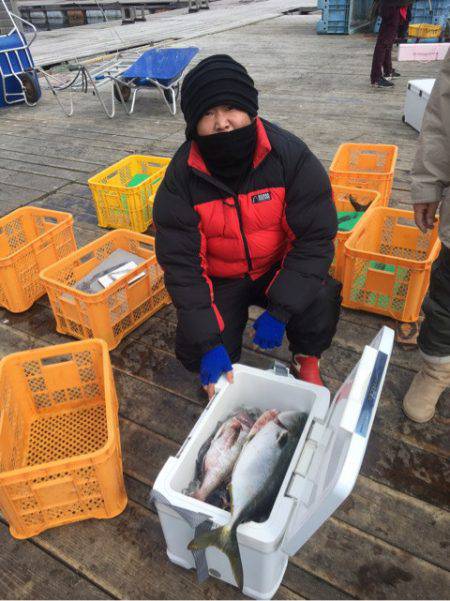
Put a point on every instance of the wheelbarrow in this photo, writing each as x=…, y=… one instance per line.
x=160, y=68
x=125, y=74
x=18, y=78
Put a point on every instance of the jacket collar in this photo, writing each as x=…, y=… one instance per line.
x=263, y=147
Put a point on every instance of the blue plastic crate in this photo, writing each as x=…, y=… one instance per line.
x=335, y=15
x=327, y=27
x=333, y=4
x=440, y=21
x=426, y=13
x=428, y=19
x=344, y=16
x=435, y=5
x=438, y=8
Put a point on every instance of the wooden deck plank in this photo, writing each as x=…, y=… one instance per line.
x=13, y=196
x=25, y=160
x=30, y=573
x=378, y=570
x=30, y=181
x=405, y=522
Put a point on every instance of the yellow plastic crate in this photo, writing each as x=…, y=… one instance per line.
x=30, y=239
x=122, y=197
x=341, y=198
x=117, y=310
x=366, y=166
x=60, y=456
x=388, y=264
x=424, y=30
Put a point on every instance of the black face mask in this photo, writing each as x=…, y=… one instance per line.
x=229, y=155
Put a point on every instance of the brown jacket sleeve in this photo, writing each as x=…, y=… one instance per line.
x=431, y=169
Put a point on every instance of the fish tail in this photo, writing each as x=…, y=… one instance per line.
x=225, y=539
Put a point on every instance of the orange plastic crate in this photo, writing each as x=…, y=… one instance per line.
x=388, y=264
x=60, y=456
x=114, y=312
x=30, y=239
x=341, y=196
x=367, y=166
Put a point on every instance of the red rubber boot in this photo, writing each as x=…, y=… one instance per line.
x=307, y=369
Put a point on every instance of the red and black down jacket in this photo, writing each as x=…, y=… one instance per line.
x=283, y=214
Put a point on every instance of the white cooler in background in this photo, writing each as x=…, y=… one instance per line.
x=321, y=475
x=417, y=95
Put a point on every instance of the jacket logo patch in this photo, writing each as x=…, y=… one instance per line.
x=261, y=197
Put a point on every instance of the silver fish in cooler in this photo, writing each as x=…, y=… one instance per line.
x=256, y=480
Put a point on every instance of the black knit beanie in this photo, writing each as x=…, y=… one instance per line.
x=216, y=80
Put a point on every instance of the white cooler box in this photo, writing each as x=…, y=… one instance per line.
x=322, y=472
x=416, y=101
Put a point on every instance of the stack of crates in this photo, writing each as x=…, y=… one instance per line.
x=334, y=16
x=437, y=15
x=344, y=16
x=384, y=261
x=362, y=177
x=421, y=13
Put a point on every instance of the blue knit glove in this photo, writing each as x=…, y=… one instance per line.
x=269, y=331
x=214, y=363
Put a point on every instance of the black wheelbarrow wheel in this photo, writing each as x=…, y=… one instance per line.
x=30, y=88
x=124, y=90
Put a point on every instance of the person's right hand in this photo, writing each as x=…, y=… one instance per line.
x=214, y=363
x=425, y=215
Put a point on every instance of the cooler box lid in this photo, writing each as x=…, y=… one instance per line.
x=422, y=87
x=329, y=465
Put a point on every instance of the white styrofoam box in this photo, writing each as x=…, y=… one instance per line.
x=416, y=100
x=423, y=52
x=322, y=472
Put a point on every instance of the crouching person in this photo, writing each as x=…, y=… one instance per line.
x=244, y=217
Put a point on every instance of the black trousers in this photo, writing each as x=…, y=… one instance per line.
x=434, y=336
x=309, y=333
x=382, y=61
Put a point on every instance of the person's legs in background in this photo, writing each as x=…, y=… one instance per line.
x=383, y=47
x=428, y=384
x=388, y=70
